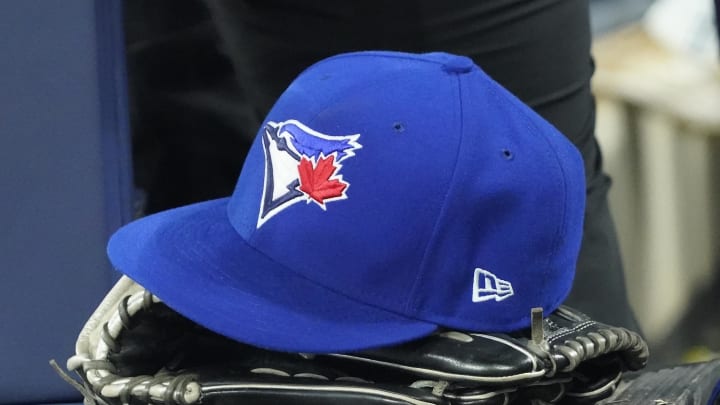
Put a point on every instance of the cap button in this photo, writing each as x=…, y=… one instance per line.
x=458, y=64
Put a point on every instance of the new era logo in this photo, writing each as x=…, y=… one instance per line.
x=488, y=286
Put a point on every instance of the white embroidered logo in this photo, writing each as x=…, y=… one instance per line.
x=488, y=286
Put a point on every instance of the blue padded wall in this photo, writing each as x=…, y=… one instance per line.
x=64, y=181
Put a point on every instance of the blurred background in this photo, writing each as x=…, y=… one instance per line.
x=657, y=86
x=110, y=110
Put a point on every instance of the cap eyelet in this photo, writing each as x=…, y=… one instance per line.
x=399, y=127
x=507, y=154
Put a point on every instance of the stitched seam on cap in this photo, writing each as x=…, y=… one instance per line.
x=559, y=231
x=412, y=299
x=531, y=126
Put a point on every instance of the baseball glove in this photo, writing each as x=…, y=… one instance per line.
x=134, y=349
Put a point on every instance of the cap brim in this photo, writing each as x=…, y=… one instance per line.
x=194, y=260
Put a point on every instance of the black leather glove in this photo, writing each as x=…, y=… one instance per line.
x=134, y=349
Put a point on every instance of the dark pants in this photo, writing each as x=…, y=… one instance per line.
x=538, y=49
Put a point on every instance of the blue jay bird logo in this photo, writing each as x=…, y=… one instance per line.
x=302, y=164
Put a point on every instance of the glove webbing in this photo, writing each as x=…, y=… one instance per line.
x=100, y=372
x=575, y=350
x=182, y=389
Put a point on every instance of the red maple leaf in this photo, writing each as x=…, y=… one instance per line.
x=316, y=180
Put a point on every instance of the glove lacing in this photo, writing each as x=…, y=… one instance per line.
x=100, y=373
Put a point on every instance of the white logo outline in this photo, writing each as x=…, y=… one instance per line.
x=279, y=141
x=492, y=287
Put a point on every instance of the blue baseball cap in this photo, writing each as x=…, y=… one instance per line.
x=385, y=196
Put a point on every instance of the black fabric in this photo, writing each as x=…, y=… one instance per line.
x=538, y=49
x=187, y=113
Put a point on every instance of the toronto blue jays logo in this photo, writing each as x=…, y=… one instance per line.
x=302, y=164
